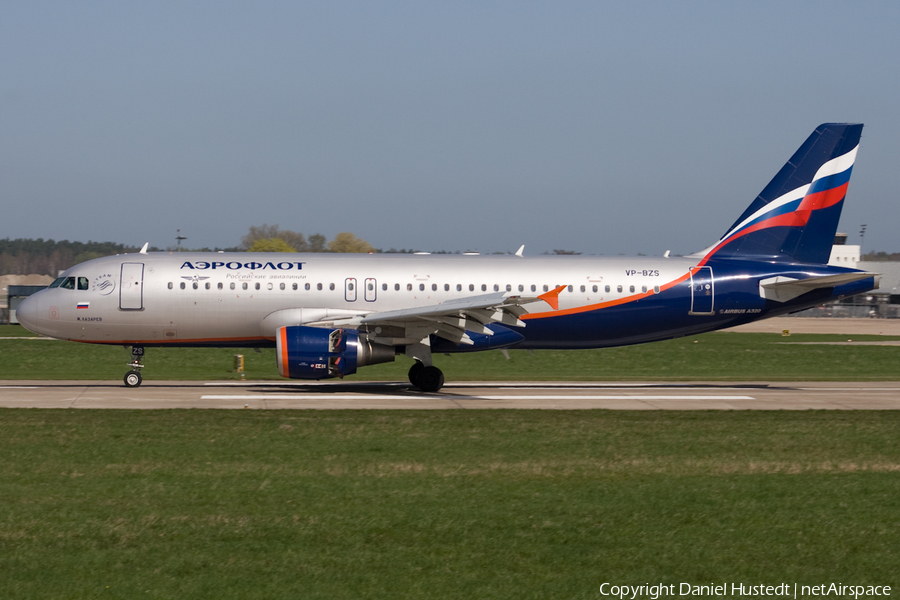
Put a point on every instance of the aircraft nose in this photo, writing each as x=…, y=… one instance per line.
x=27, y=313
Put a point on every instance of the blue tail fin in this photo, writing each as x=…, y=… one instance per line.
x=796, y=216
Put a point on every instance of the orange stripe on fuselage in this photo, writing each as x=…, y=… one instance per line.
x=609, y=304
x=172, y=342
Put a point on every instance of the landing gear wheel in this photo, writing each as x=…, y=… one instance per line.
x=414, y=372
x=430, y=379
x=133, y=379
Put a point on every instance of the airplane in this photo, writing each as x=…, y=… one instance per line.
x=328, y=315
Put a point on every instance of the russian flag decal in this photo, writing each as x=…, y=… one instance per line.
x=83, y=305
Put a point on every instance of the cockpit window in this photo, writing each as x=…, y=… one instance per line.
x=68, y=283
x=82, y=283
x=57, y=282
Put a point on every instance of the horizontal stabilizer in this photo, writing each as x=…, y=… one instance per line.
x=782, y=289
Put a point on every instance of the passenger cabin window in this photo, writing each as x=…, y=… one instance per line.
x=232, y=285
x=220, y=285
x=171, y=285
x=483, y=287
x=619, y=288
x=606, y=289
x=182, y=285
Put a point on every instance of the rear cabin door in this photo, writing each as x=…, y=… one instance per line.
x=702, y=292
x=131, y=287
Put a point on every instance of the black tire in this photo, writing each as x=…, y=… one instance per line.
x=430, y=379
x=414, y=372
x=133, y=379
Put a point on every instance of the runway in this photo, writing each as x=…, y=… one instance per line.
x=494, y=395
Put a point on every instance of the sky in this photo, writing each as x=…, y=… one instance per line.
x=598, y=127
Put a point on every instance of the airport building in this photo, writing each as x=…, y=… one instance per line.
x=883, y=302
x=14, y=289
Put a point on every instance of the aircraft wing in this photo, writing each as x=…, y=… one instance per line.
x=782, y=289
x=449, y=320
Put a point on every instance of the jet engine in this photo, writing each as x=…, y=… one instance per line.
x=317, y=353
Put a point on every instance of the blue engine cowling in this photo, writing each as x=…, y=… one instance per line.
x=316, y=353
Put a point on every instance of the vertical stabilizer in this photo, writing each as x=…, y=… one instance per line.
x=796, y=216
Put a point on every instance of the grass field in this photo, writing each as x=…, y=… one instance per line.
x=442, y=504
x=712, y=356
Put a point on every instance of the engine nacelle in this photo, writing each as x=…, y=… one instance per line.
x=316, y=353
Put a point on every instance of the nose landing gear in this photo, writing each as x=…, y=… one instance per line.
x=133, y=377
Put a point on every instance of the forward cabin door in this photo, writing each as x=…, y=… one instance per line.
x=702, y=292
x=131, y=287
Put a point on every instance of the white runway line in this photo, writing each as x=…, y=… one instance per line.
x=458, y=398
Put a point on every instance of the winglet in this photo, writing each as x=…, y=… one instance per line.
x=552, y=297
x=144, y=249
x=521, y=251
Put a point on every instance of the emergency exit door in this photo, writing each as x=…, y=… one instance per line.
x=131, y=287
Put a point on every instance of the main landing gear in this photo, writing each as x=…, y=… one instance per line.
x=427, y=379
x=133, y=377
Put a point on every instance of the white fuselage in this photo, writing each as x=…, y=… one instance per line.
x=234, y=298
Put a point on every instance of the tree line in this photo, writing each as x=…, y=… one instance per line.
x=48, y=257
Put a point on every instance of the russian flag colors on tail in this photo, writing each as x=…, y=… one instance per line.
x=796, y=216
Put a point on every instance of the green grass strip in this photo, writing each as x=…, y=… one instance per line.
x=442, y=504
x=723, y=356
